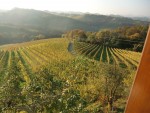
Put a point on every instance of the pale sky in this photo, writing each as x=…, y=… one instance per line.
x=106, y=7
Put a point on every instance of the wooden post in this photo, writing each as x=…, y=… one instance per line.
x=139, y=99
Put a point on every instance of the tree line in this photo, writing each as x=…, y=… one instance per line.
x=126, y=37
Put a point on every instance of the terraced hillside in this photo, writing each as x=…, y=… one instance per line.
x=123, y=58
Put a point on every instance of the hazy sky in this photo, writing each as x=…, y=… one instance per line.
x=120, y=7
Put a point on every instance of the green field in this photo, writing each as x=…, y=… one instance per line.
x=43, y=77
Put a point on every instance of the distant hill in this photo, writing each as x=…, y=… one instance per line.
x=20, y=25
x=141, y=18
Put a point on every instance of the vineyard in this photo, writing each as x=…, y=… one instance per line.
x=34, y=54
x=119, y=57
x=42, y=77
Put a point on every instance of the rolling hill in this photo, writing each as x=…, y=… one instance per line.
x=19, y=25
x=44, y=71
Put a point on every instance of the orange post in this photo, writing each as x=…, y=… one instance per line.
x=139, y=99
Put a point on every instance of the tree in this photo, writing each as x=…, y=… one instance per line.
x=81, y=36
x=113, y=86
x=103, y=36
x=91, y=38
x=76, y=34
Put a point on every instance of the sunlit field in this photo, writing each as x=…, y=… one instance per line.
x=42, y=76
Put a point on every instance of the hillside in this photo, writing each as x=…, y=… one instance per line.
x=44, y=74
x=97, y=22
x=142, y=18
x=123, y=58
x=19, y=25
